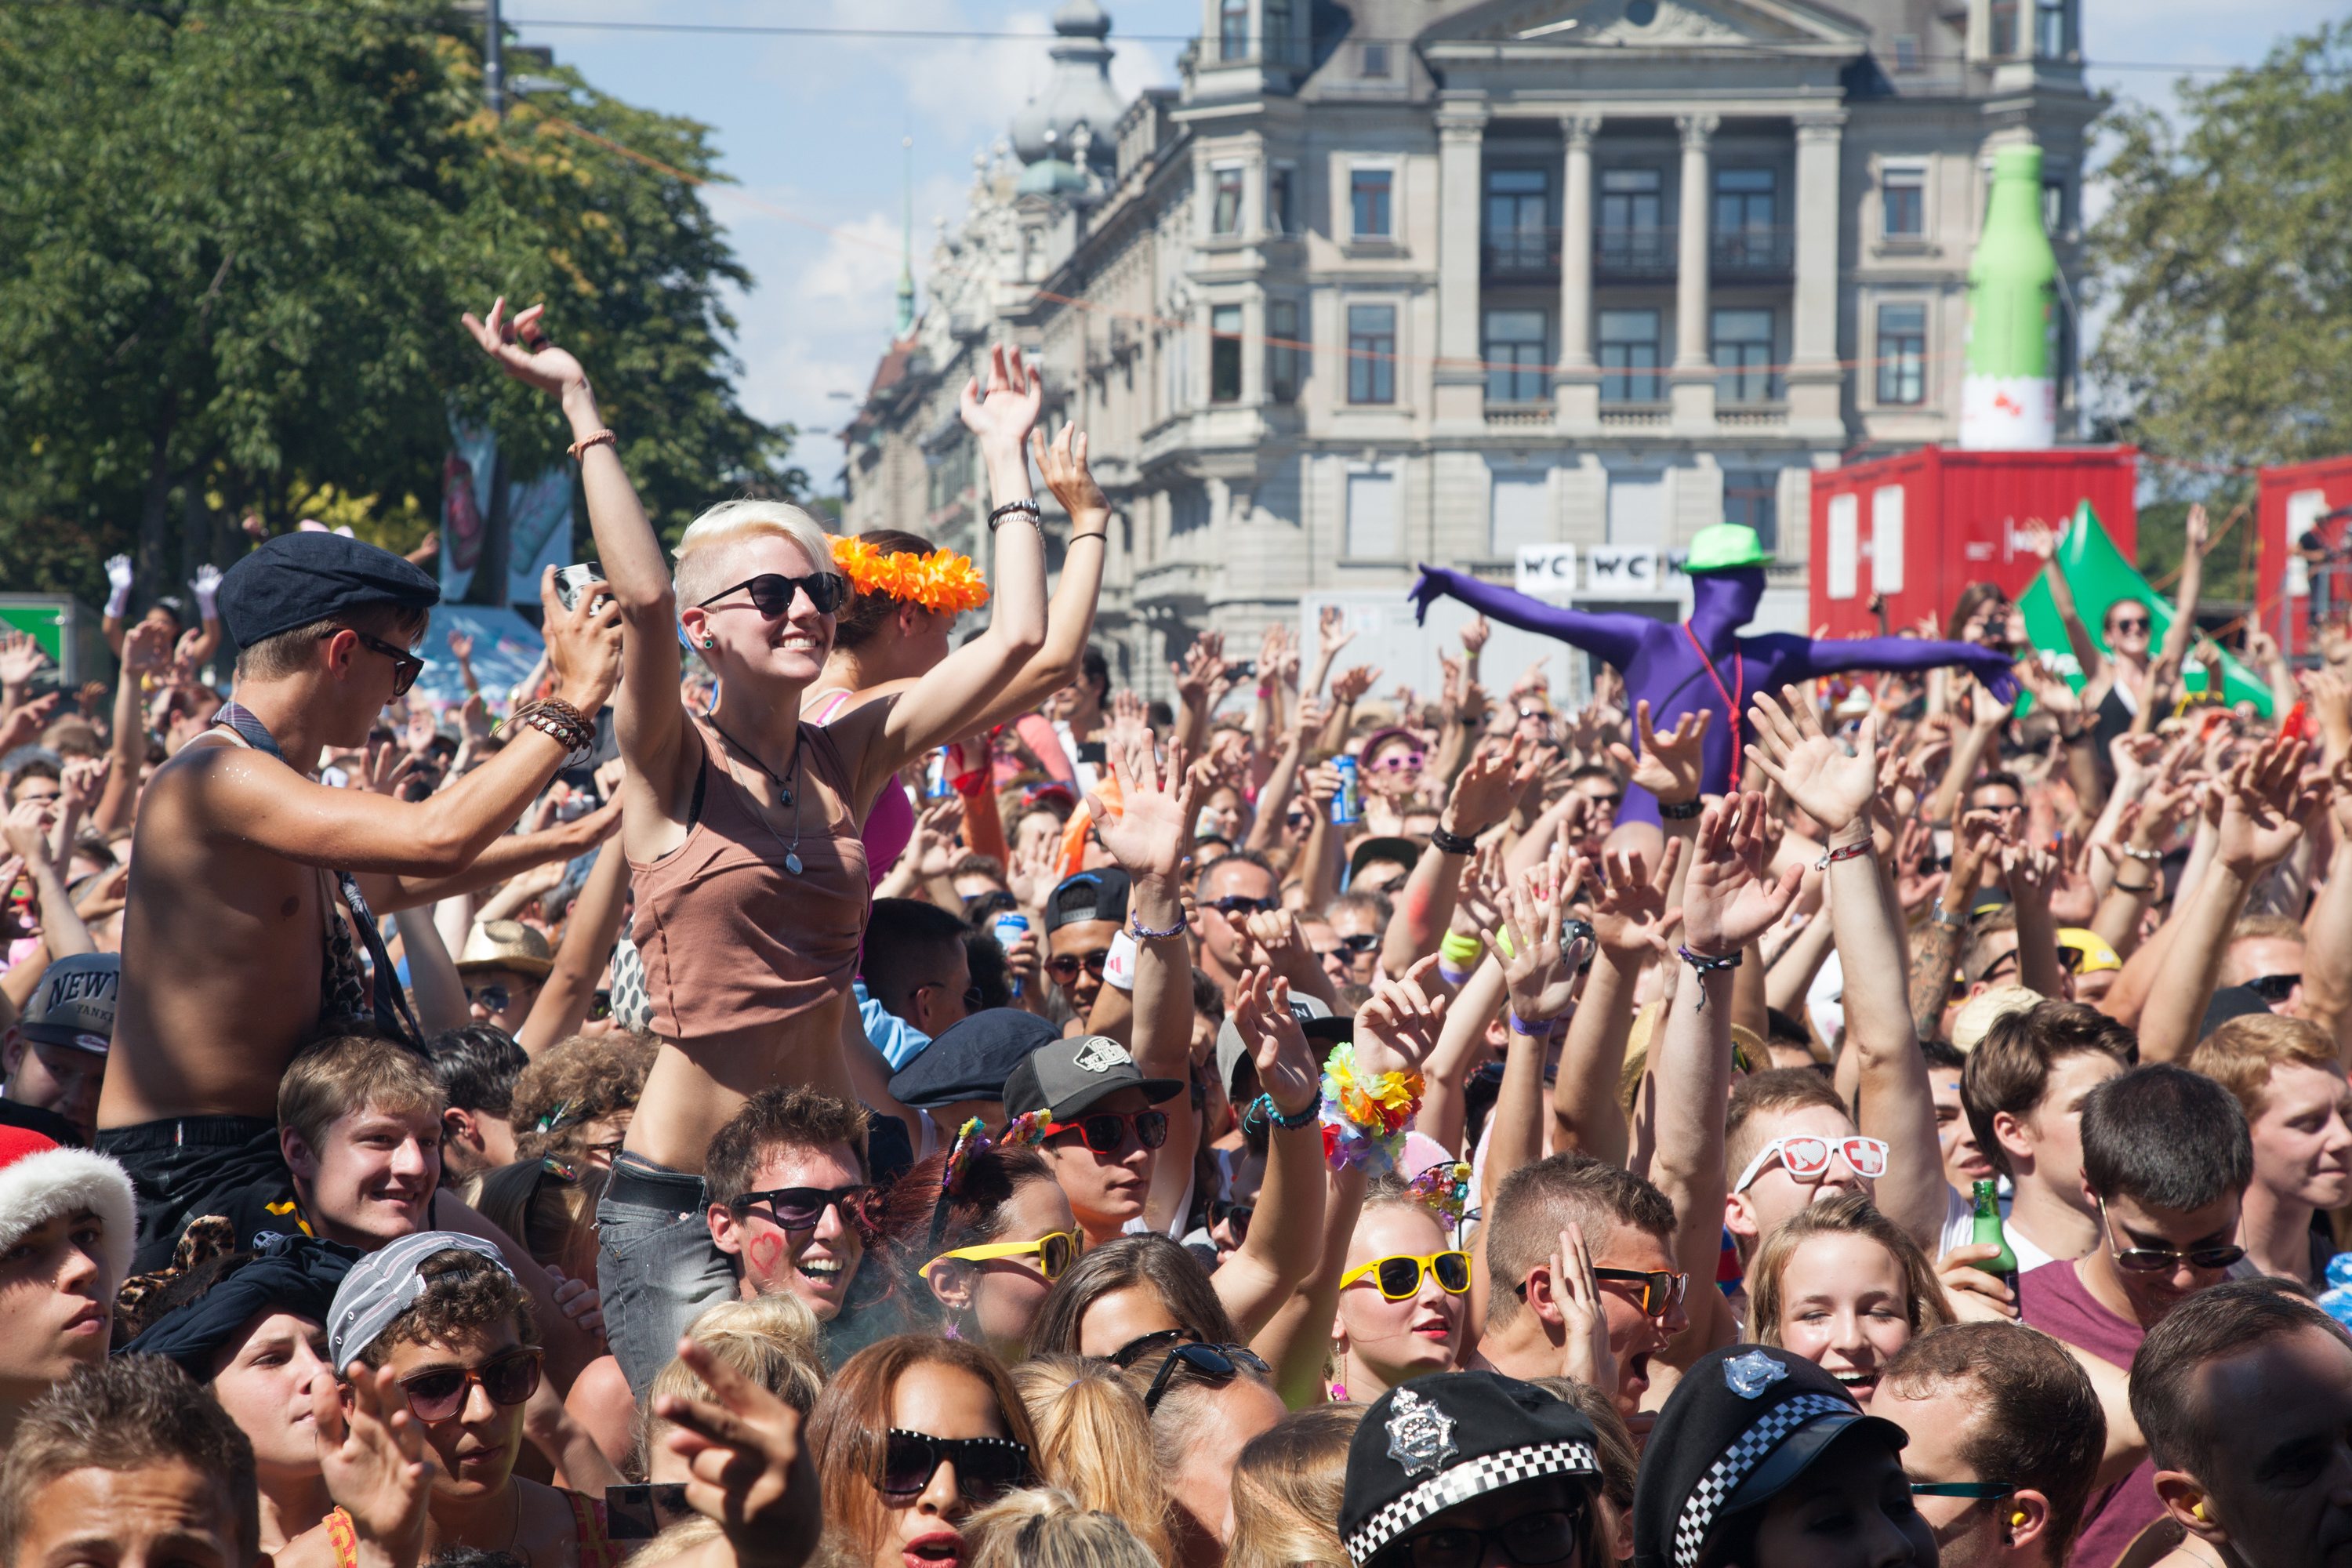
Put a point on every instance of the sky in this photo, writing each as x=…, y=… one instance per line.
x=813, y=133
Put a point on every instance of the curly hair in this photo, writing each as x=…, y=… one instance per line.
x=574, y=1083
x=464, y=1293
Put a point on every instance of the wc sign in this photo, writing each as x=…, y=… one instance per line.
x=1624, y=567
x=1546, y=571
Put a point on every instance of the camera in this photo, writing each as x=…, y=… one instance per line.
x=570, y=580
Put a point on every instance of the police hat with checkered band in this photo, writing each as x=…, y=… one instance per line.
x=1744, y=1422
x=1068, y=1078
x=1438, y=1441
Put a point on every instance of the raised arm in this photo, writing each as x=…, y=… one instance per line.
x=1540, y=977
x=1630, y=924
x=2197, y=539
x=1070, y=618
x=1803, y=659
x=588, y=934
x=1286, y=1235
x=1481, y=797
x=2042, y=541
x=1615, y=637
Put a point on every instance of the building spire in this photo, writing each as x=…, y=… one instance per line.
x=906, y=256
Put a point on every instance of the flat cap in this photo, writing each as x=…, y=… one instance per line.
x=297, y=579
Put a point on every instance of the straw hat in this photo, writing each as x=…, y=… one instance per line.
x=510, y=945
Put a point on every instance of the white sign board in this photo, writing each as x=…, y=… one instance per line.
x=1546, y=571
x=1624, y=569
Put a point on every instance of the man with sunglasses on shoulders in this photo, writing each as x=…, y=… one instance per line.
x=254, y=890
x=2165, y=1161
x=792, y=1204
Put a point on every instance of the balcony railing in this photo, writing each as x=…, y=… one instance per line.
x=1621, y=253
x=1522, y=253
x=1759, y=250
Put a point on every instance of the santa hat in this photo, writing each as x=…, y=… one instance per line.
x=40, y=1181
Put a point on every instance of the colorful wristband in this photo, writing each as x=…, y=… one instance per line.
x=1364, y=1120
x=1457, y=949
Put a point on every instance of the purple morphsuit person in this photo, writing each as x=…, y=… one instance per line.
x=1703, y=662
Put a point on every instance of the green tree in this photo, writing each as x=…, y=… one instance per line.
x=2223, y=263
x=234, y=241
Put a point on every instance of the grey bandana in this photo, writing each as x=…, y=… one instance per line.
x=384, y=1284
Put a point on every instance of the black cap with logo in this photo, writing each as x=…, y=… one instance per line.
x=74, y=1003
x=1068, y=1078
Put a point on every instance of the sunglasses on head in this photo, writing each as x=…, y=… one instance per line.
x=1807, y=1158
x=772, y=592
x=1399, y=1276
x=1064, y=966
x=2151, y=1259
x=1105, y=1131
x=1529, y=1540
x=406, y=665
x=983, y=1466
x=801, y=1208
x=1236, y=904
x=1055, y=1253
x=1142, y=1345
x=1218, y=1364
x=2274, y=987
x=438, y=1394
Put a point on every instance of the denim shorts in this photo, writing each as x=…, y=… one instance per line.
x=657, y=1266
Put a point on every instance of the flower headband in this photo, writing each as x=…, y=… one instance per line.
x=942, y=582
x=973, y=1139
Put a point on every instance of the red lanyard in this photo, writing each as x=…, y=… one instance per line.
x=1739, y=689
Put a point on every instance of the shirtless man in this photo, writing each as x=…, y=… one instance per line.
x=229, y=960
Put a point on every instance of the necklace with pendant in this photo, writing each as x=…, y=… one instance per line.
x=790, y=797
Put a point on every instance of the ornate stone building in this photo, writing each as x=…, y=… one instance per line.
x=1399, y=280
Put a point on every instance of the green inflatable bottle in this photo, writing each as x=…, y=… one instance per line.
x=2009, y=397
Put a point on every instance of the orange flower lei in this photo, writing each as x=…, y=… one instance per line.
x=942, y=582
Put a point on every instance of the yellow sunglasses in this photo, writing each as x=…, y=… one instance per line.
x=1055, y=1253
x=1399, y=1276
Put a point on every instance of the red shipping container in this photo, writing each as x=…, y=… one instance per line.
x=2293, y=501
x=1920, y=527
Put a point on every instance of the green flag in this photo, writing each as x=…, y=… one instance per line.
x=2099, y=575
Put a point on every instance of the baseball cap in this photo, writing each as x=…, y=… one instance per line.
x=1091, y=896
x=74, y=1003
x=972, y=1058
x=1315, y=1020
x=1067, y=1078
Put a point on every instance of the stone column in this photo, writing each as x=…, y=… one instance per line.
x=1694, y=371
x=1461, y=385
x=1577, y=384
x=1815, y=380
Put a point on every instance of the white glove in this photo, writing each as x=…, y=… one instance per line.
x=208, y=587
x=118, y=576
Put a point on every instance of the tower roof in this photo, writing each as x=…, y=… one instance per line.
x=1078, y=91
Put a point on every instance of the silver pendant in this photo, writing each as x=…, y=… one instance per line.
x=792, y=863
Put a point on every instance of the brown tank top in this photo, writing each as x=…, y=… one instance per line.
x=731, y=939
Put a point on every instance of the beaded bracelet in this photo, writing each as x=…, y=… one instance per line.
x=2145, y=856
x=1364, y=1121
x=1027, y=508
x=1705, y=966
x=1142, y=933
x=1269, y=1112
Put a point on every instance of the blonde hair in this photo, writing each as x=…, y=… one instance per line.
x=1094, y=1442
x=2242, y=1054
x=1044, y=1527
x=1286, y=1488
x=676, y=1542
x=771, y=1340
x=1924, y=1304
x=707, y=542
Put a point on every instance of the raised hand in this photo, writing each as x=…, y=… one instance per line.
x=82, y=781
x=1475, y=634
x=2198, y=528
x=2040, y=538
x=1541, y=978
x=747, y=1465
x=461, y=645
x=1397, y=1029
x=118, y=574
x=206, y=584
x=374, y=1459
x=1331, y=633
x=1478, y=903
x=26, y=827
x=146, y=647
x=1726, y=901
x=935, y=842
x=1129, y=724
x=2030, y=872
x=1351, y=685
x=1152, y=830
x=1287, y=1068
x=2257, y=827
x=388, y=767
x=523, y=348
x=1586, y=1356
x=1828, y=785
x=1488, y=788
x=583, y=643
x=1003, y=413
x=21, y=659
x=1629, y=917
x=1203, y=664
x=1063, y=464
x=1670, y=766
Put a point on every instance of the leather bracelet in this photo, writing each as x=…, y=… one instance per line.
x=1851, y=852
x=1101, y=533
x=1707, y=966
x=1141, y=932
x=1453, y=843
x=1941, y=915
x=1026, y=507
x=2119, y=887
x=600, y=438
x=560, y=722
x=1682, y=811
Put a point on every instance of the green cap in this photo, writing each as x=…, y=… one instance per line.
x=1724, y=548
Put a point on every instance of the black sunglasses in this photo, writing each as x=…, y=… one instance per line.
x=2150, y=1260
x=1064, y=966
x=1106, y=1131
x=406, y=665
x=2274, y=987
x=773, y=592
x=801, y=1208
x=1218, y=1364
x=1234, y=904
x=1528, y=1540
x=1977, y=1490
x=1362, y=941
x=984, y=1466
x=438, y=1394
x=1142, y=1345
x=1234, y=1217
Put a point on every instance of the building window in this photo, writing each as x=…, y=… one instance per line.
x=1372, y=516
x=1225, y=213
x=1746, y=219
x=1901, y=354
x=1518, y=237
x=1629, y=356
x=2050, y=29
x=1515, y=356
x=1743, y=356
x=1188, y=510
x=1751, y=499
x=1907, y=51
x=2054, y=207
x=1277, y=31
x=2004, y=28
x=1232, y=31
x=1284, y=357
x=1520, y=512
x=1281, y=199
x=1368, y=196
x=1902, y=200
x=1631, y=237
x=1371, y=353
x=1225, y=353
x=1376, y=59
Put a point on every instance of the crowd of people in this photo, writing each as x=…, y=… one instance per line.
x=816, y=1074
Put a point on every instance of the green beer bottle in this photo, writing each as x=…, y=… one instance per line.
x=1989, y=1233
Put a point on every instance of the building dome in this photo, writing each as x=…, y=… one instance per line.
x=1077, y=92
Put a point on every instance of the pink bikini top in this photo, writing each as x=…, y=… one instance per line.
x=890, y=826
